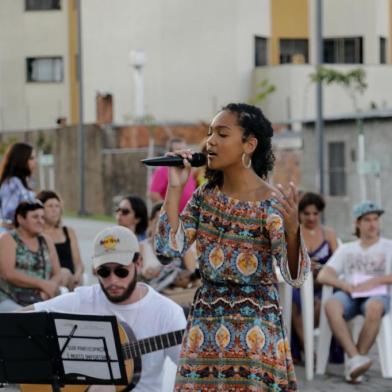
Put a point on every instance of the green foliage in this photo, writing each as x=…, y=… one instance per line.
x=43, y=143
x=354, y=79
x=150, y=122
x=264, y=88
x=5, y=143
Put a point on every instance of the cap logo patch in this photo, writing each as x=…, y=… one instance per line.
x=109, y=242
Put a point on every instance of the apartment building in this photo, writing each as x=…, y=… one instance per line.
x=199, y=55
x=34, y=63
x=356, y=33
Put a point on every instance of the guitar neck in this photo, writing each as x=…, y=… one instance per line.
x=155, y=343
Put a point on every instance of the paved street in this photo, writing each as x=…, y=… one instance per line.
x=86, y=229
x=333, y=381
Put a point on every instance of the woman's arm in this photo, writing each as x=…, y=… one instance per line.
x=171, y=205
x=176, y=232
x=329, y=276
x=54, y=260
x=330, y=236
x=77, y=261
x=288, y=207
x=293, y=252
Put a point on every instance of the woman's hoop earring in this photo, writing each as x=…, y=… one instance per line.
x=246, y=165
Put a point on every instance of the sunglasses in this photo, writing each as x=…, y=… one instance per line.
x=105, y=272
x=124, y=211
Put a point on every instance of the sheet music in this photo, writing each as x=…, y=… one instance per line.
x=360, y=278
x=82, y=347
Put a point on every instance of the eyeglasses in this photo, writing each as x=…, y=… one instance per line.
x=105, y=272
x=124, y=211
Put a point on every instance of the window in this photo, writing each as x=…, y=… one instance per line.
x=343, y=50
x=261, y=56
x=383, y=50
x=293, y=51
x=41, y=5
x=337, y=168
x=44, y=69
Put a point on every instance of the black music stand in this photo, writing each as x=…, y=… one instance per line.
x=35, y=349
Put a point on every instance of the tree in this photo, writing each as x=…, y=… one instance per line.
x=264, y=88
x=353, y=81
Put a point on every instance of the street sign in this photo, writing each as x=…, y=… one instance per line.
x=369, y=167
x=46, y=160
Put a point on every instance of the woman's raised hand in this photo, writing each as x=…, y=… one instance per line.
x=288, y=206
x=178, y=176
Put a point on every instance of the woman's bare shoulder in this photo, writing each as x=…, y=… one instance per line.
x=266, y=191
x=48, y=239
x=6, y=238
x=330, y=233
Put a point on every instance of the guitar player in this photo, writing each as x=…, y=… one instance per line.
x=117, y=262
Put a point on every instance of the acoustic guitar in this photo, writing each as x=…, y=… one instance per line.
x=132, y=350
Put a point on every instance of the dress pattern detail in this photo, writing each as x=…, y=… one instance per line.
x=235, y=340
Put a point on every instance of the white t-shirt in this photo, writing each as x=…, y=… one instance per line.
x=357, y=264
x=153, y=315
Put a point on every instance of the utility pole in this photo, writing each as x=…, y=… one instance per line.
x=137, y=59
x=319, y=95
x=82, y=209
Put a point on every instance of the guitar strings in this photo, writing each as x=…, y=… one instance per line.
x=177, y=336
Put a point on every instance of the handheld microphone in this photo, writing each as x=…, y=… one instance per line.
x=197, y=160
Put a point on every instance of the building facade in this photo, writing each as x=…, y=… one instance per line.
x=34, y=54
x=350, y=179
x=356, y=34
x=199, y=55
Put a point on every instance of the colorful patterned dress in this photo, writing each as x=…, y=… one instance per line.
x=235, y=340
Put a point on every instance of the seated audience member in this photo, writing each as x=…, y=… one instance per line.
x=29, y=266
x=320, y=242
x=117, y=264
x=361, y=273
x=16, y=169
x=64, y=239
x=132, y=214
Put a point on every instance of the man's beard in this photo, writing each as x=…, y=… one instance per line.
x=127, y=293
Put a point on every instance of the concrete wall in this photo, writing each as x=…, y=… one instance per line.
x=67, y=176
x=112, y=160
x=378, y=139
x=24, y=34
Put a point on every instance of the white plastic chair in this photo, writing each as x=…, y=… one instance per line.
x=307, y=304
x=384, y=339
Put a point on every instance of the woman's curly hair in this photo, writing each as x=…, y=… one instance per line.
x=255, y=124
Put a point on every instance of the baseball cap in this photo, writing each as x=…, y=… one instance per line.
x=115, y=244
x=366, y=207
